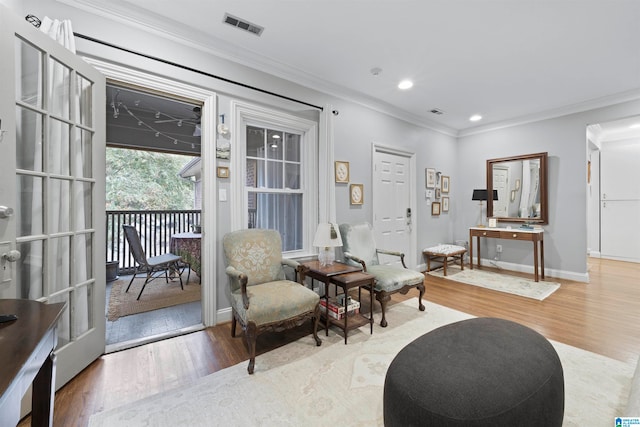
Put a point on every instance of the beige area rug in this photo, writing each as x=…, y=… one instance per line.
x=342, y=385
x=503, y=282
x=157, y=294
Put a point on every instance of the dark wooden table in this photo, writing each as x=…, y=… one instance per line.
x=26, y=357
x=339, y=274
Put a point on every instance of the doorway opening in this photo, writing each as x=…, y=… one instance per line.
x=153, y=182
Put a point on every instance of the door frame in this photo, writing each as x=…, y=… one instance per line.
x=410, y=257
x=142, y=79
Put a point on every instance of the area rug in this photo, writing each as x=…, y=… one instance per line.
x=503, y=282
x=337, y=384
x=157, y=294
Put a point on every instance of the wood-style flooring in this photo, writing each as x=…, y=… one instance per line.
x=602, y=316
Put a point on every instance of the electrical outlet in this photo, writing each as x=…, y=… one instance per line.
x=499, y=248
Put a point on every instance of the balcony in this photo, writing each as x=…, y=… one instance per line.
x=155, y=228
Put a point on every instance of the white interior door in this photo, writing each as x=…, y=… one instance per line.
x=52, y=108
x=392, y=205
x=501, y=184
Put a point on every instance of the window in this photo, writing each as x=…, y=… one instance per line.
x=277, y=186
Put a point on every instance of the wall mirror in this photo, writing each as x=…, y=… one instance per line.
x=521, y=184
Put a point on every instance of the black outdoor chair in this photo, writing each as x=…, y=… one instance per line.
x=153, y=266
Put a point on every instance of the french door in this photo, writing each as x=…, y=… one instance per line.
x=52, y=109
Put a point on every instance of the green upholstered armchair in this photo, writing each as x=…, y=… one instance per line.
x=359, y=248
x=261, y=297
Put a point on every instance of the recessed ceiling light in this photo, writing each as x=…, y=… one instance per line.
x=475, y=117
x=405, y=84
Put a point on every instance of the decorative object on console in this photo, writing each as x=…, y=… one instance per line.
x=356, y=193
x=481, y=195
x=327, y=237
x=341, y=172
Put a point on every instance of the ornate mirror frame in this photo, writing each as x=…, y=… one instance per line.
x=513, y=185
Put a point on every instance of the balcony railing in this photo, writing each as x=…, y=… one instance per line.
x=155, y=229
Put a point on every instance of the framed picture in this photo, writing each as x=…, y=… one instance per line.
x=445, y=204
x=430, y=177
x=223, y=172
x=356, y=194
x=445, y=184
x=342, y=171
x=437, y=193
x=435, y=208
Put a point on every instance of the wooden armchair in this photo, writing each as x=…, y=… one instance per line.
x=261, y=298
x=359, y=248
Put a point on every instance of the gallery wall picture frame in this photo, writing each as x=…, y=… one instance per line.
x=445, y=204
x=445, y=184
x=438, y=193
x=435, y=208
x=430, y=177
x=341, y=171
x=223, y=172
x=356, y=194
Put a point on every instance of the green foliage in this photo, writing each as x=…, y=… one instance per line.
x=143, y=180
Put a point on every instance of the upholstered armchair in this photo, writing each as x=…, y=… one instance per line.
x=359, y=248
x=261, y=297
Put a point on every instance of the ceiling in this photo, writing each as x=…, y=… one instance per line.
x=507, y=60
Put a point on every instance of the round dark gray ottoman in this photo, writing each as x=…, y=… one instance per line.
x=478, y=372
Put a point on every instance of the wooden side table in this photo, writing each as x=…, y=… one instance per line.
x=346, y=282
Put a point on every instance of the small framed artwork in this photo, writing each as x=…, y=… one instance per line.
x=223, y=172
x=430, y=177
x=517, y=184
x=342, y=172
x=435, y=208
x=445, y=184
x=356, y=194
x=437, y=193
x=445, y=204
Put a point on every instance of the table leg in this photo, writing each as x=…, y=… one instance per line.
x=542, y=258
x=326, y=314
x=470, y=251
x=43, y=393
x=535, y=260
x=371, y=306
x=479, y=257
x=444, y=265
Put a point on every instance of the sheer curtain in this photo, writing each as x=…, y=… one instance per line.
x=65, y=159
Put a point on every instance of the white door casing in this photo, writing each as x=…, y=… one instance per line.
x=53, y=177
x=394, y=204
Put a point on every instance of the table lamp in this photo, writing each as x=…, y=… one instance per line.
x=481, y=195
x=327, y=237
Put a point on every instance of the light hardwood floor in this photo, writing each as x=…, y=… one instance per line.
x=601, y=316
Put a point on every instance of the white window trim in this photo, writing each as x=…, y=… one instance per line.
x=243, y=114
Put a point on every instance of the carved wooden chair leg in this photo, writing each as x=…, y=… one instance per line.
x=316, y=319
x=420, y=304
x=383, y=297
x=233, y=323
x=252, y=336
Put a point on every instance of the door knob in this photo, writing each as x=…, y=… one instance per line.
x=5, y=212
x=12, y=256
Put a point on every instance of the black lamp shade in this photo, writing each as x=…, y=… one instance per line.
x=482, y=195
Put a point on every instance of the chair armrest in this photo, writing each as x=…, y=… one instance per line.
x=394, y=253
x=295, y=265
x=238, y=277
x=352, y=257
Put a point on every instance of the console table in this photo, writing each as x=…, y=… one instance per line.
x=26, y=357
x=536, y=236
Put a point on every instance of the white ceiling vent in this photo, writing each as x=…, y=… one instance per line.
x=243, y=24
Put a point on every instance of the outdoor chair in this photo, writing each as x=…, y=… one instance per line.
x=261, y=297
x=153, y=266
x=359, y=248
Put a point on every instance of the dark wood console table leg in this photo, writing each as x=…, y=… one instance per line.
x=43, y=393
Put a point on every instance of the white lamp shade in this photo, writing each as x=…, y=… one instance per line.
x=327, y=236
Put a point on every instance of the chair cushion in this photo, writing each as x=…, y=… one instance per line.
x=274, y=301
x=257, y=253
x=444, y=249
x=163, y=259
x=390, y=277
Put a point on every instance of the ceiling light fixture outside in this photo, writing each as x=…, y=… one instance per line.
x=475, y=117
x=405, y=84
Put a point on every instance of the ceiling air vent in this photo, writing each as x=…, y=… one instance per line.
x=436, y=111
x=243, y=24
